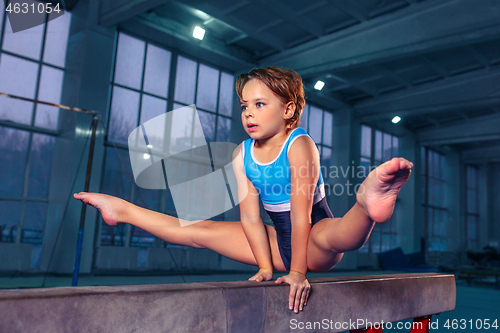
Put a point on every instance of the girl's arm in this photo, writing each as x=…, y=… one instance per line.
x=304, y=173
x=303, y=158
x=251, y=221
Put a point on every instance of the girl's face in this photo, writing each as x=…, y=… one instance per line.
x=263, y=113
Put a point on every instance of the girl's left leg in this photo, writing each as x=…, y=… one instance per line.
x=225, y=238
x=331, y=237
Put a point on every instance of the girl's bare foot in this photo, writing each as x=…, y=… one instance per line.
x=378, y=192
x=111, y=208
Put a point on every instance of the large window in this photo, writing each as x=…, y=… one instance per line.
x=148, y=81
x=32, y=66
x=212, y=92
x=376, y=148
x=434, y=207
x=318, y=123
x=472, y=208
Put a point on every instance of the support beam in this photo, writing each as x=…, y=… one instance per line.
x=481, y=155
x=270, y=24
x=113, y=12
x=311, y=7
x=431, y=121
x=324, y=100
x=236, y=39
x=480, y=58
x=435, y=67
x=440, y=24
x=350, y=8
x=474, y=130
x=173, y=35
x=384, y=71
x=263, y=37
x=289, y=15
x=477, y=89
x=358, y=85
x=220, y=307
x=235, y=6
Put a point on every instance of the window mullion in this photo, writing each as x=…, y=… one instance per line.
x=40, y=67
x=25, y=188
x=2, y=28
x=217, y=107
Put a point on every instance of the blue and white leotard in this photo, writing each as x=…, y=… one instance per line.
x=272, y=181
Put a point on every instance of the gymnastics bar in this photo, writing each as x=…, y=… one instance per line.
x=228, y=306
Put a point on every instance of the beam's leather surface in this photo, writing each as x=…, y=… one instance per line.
x=224, y=306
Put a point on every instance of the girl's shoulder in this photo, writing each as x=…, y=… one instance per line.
x=299, y=135
x=245, y=146
x=238, y=150
x=238, y=157
x=302, y=149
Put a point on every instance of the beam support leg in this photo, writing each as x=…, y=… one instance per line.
x=368, y=330
x=421, y=324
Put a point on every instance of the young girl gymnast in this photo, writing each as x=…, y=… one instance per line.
x=279, y=163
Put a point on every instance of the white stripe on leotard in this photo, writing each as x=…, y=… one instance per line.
x=284, y=207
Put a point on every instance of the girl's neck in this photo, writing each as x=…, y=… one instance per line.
x=274, y=141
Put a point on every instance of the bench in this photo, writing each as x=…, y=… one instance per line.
x=470, y=271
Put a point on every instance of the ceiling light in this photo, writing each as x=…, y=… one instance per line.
x=319, y=85
x=396, y=119
x=198, y=33
x=146, y=156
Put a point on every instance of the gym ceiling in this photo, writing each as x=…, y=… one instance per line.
x=434, y=63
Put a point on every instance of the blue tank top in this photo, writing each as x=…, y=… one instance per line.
x=272, y=179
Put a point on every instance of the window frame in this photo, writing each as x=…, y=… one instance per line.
x=388, y=228
x=127, y=235
x=470, y=186
x=33, y=130
x=320, y=145
x=438, y=182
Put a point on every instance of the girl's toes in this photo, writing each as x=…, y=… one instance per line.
x=392, y=166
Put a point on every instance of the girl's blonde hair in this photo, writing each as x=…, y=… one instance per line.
x=284, y=83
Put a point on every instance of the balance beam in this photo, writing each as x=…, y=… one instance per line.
x=227, y=306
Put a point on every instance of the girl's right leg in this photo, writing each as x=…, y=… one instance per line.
x=331, y=237
x=225, y=238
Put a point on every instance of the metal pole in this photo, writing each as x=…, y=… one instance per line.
x=76, y=268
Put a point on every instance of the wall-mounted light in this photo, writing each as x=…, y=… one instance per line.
x=396, y=119
x=198, y=32
x=319, y=85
